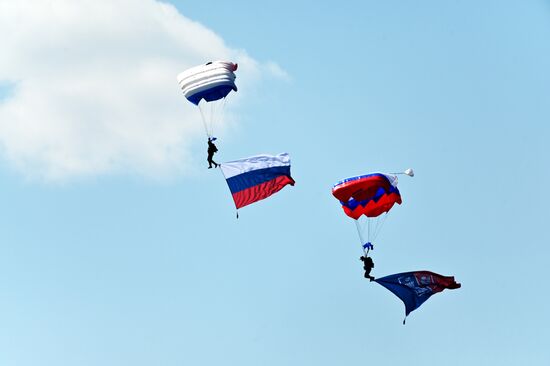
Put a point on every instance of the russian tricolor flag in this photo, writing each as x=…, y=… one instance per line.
x=257, y=177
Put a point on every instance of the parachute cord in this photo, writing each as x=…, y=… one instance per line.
x=379, y=225
x=365, y=245
x=220, y=108
x=203, y=118
x=375, y=229
x=212, y=118
x=217, y=112
x=368, y=230
x=215, y=117
x=358, y=226
x=211, y=122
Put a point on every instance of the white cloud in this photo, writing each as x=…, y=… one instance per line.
x=277, y=71
x=95, y=89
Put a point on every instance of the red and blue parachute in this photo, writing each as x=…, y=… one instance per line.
x=367, y=199
x=370, y=195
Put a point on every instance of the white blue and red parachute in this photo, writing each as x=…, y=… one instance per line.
x=257, y=177
x=209, y=82
x=207, y=87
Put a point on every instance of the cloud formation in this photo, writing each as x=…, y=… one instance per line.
x=94, y=89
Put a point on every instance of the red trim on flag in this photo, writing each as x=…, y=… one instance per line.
x=261, y=191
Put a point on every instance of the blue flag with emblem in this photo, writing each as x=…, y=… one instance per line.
x=414, y=288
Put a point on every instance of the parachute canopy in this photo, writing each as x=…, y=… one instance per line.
x=257, y=177
x=414, y=288
x=212, y=81
x=370, y=195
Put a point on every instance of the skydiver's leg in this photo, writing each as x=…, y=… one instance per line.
x=367, y=274
x=210, y=161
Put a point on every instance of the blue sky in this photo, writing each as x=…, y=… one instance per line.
x=119, y=247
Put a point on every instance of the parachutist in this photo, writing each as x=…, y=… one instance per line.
x=212, y=149
x=368, y=265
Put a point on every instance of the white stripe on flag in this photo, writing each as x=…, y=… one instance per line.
x=236, y=167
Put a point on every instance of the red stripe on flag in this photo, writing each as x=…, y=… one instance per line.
x=261, y=191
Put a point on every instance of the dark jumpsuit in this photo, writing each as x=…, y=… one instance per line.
x=211, y=150
x=368, y=265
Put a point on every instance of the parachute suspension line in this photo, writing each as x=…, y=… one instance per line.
x=376, y=227
x=212, y=116
x=203, y=118
x=215, y=116
x=379, y=224
x=360, y=232
x=368, y=229
x=365, y=244
x=372, y=232
x=369, y=237
x=217, y=111
x=367, y=225
x=211, y=121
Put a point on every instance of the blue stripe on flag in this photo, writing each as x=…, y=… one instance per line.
x=253, y=178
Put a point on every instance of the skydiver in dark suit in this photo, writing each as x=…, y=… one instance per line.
x=212, y=149
x=368, y=265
